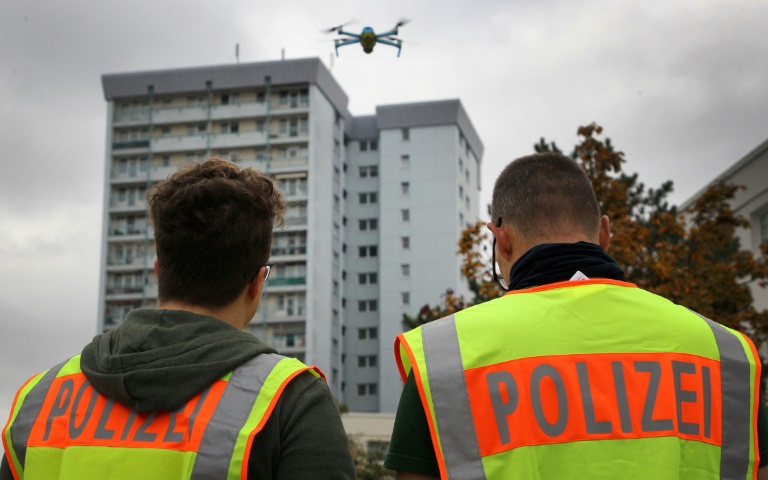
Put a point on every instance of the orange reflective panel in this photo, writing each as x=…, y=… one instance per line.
x=74, y=414
x=566, y=398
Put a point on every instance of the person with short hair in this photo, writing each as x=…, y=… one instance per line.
x=574, y=373
x=181, y=391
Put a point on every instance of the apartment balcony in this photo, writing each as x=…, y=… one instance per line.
x=122, y=234
x=124, y=146
x=273, y=315
x=126, y=264
x=127, y=206
x=289, y=253
x=286, y=344
x=275, y=164
x=130, y=292
x=288, y=164
x=286, y=284
x=138, y=176
x=196, y=142
x=295, y=224
x=199, y=113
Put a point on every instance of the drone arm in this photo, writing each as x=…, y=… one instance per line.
x=388, y=34
x=391, y=43
x=354, y=35
x=346, y=42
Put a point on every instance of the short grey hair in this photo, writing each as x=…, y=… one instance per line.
x=544, y=195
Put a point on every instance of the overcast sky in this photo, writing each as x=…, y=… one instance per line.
x=678, y=85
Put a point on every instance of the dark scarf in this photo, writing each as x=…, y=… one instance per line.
x=558, y=262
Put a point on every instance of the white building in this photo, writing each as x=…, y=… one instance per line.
x=751, y=203
x=377, y=204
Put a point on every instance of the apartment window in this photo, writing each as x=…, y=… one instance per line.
x=166, y=160
x=764, y=228
x=405, y=188
x=467, y=201
x=405, y=215
x=225, y=99
x=368, y=251
x=369, y=171
x=406, y=133
x=165, y=131
x=461, y=220
x=121, y=195
x=370, y=278
x=405, y=270
x=260, y=126
x=363, y=146
x=369, y=224
x=461, y=191
x=405, y=242
x=123, y=165
x=368, y=197
x=405, y=297
x=367, y=305
x=369, y=333
x=366, y=389
x=405, y=160
x=260, y=97
x=466, y=174
x=461, y=164
x=283, y=98
x=374, y=145
x=367, y=361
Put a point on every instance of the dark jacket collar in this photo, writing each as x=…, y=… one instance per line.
x=558, y=262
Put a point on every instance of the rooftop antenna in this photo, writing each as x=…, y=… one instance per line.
x=237, y=53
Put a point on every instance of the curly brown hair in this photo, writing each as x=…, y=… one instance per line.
x=213, y=230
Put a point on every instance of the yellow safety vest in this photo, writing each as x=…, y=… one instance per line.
x=592, y=379
x=61, y=428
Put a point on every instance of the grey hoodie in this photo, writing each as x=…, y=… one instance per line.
x=158, y=359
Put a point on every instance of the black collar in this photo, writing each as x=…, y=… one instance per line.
x=558, y=262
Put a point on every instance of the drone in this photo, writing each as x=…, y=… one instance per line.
x=368, y=38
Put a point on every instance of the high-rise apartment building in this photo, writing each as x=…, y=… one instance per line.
x=376, y=205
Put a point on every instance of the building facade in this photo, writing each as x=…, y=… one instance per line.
x=751, y=203
x=375, y=203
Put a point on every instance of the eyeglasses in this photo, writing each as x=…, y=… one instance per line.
x=266, y=275
x=497, y=277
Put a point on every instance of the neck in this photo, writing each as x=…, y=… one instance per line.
x=232, y=314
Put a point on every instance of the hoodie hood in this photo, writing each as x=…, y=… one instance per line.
x=158, y=359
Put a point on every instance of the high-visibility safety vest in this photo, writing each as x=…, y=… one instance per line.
x=593, y=379
x=61, y=428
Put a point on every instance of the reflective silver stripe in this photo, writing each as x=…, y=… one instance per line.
x=29, y=411
x=737, y=401
x=234, y=407
x=450, y=399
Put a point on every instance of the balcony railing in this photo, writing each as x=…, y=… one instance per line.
x=282, y=281
x=125, y=260
x=114, y=289
x=288, y=341
x=125, y=144
x=295, y=220
x=198, y=112
x=289, y=250
x=120, y=232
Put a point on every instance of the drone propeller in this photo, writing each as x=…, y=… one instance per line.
x=403, y=21
x=333, y=29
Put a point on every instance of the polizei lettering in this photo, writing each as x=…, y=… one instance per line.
x=74, y=413
x=565, y=398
